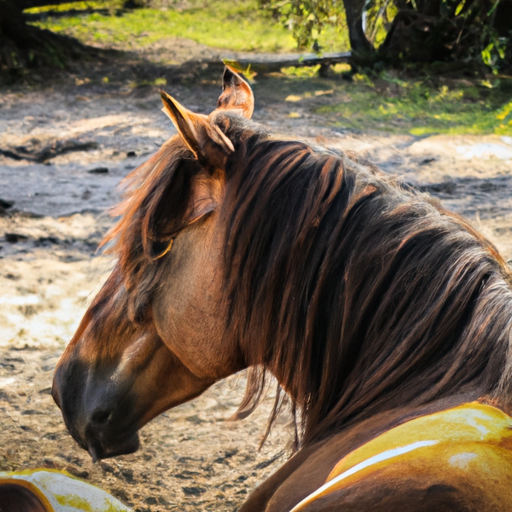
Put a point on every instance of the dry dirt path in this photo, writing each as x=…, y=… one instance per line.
x=73, y=145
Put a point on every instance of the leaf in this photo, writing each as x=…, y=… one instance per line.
x=460, y=7
x=493, y=8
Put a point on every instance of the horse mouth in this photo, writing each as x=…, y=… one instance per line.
x=99, y=450
x=103, y=444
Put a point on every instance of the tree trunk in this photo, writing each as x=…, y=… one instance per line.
x=361, y=47
x=12, y=24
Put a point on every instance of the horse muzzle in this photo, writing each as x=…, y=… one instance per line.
x=105, y=435
x=98, y=412
x=107, y=395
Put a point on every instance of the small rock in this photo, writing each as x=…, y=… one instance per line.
x=6, y=204
x=51, y=464
x=98, y=170
x=122, y=495
x=188, y=459
x=127, y=475
x=187, y=475
x=131, y=154
x=47, y=240
x=77, y=471
x=193, y=491
x=107, y=467
x=227, y=455
x=14, y=237
x=445, y=187
x=15, y=359
x=196, y=420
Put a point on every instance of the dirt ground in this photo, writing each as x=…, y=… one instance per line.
x=64, y=147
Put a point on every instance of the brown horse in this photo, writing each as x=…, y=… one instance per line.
x=386, y=319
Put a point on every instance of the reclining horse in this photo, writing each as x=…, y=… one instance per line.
x=386, y=319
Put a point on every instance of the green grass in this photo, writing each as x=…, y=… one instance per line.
x=237, y=25
x=399, y=106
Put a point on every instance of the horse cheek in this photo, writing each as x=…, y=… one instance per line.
x=166, y=383
x=188, y=310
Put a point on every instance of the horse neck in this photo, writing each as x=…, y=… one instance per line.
x=361, y=297
x=476, y=366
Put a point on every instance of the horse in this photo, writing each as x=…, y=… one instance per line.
x=386, y=319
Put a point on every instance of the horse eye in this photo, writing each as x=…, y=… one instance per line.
x=160, y=249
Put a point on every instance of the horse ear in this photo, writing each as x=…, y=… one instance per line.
x=206, y=141
x=236, y=93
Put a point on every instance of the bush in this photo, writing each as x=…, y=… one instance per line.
x=466, y=31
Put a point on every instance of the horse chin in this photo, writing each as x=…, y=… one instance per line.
x=100, y=451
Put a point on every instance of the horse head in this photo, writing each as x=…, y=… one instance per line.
x=368, y=301
x=154, y=336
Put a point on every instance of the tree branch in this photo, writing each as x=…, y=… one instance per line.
x=267, y=63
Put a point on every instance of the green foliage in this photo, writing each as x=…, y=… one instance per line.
x=301, y=72
x=380, y=15
x=308, y=18
x=495, y=53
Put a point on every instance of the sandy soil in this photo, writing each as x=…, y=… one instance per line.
x=73, y=143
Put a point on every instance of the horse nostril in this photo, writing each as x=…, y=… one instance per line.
x=100, y=417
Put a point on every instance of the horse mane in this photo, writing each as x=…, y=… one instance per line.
x=357, y=292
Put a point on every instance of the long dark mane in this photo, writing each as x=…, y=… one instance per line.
x=359, y=293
